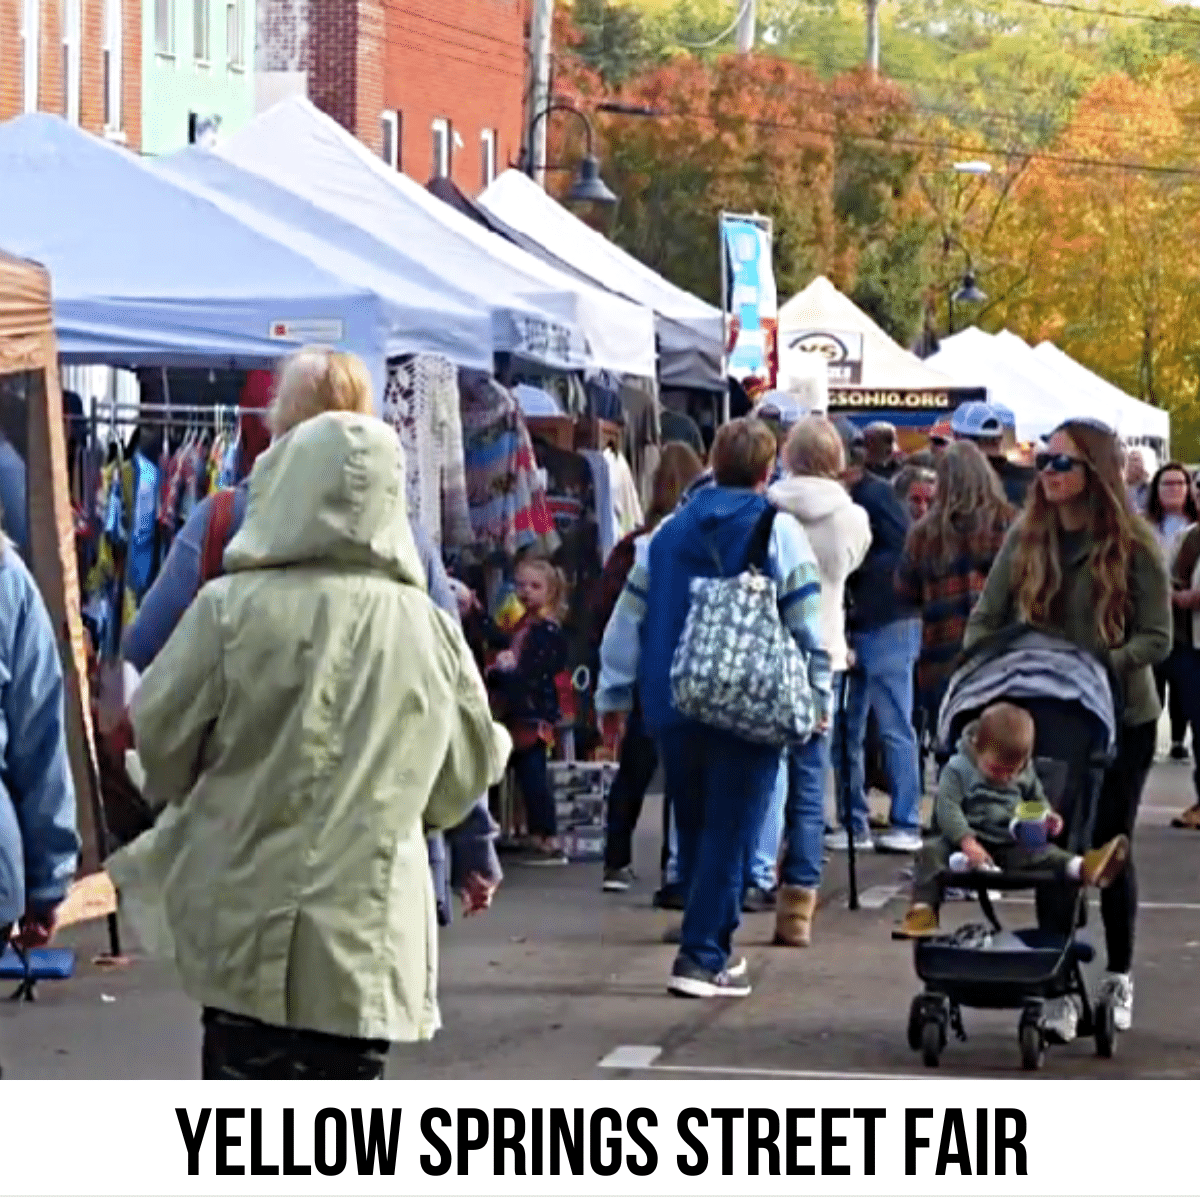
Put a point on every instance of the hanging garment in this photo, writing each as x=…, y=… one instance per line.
x=626, y=503
x=639, y=401
x=139, y=563
x=606, y=513
x=507, y=498
x=421, y=402
x=604, y=395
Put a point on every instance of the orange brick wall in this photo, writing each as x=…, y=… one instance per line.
x=51, y=92
x=459, y=59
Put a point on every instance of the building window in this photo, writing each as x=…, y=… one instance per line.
x=201, y=31
x=441, y=148
x=31, y=33
x=391, y=124
x=111, y=51
x=487, y=145
x=234, y=49
x=72, y=18
x=164, y=27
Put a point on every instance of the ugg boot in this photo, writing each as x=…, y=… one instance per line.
x=794, y=915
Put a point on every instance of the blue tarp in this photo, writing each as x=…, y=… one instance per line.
x=144, y=272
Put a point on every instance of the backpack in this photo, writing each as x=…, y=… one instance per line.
x=217, y=536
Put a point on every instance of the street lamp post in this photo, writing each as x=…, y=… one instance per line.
x=588, y=186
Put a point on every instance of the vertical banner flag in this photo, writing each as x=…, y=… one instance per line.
x=748, y=294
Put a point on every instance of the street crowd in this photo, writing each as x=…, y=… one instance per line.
x=311, y=710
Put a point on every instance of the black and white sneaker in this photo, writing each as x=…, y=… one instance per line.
x=694, y=982
x=619, y=879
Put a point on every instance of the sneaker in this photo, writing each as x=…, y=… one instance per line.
x=620, y=879
x=838, y=840
x=1117, y=990
x=670, y=896
x=899, y=841
x=737, y=967
x=695, y=982
x=1101, y=866
x=758, y=900
x=1060, y=1019
x=543, y=856
x=921, y=921
x=1179, y=752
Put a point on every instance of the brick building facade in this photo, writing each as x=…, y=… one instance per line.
x=102, y=50
x=436, y=88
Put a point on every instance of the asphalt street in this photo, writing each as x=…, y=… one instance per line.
x=562, y=981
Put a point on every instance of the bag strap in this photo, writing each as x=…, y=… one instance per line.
x=760, y=539
x=216, y=536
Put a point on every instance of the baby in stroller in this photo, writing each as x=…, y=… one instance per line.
x=992, y=810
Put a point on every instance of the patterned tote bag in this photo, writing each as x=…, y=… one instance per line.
x=737, y=667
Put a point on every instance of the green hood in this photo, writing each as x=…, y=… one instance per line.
x=331, y=493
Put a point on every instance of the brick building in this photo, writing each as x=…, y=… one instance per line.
x=79, y=58
x=434, y=86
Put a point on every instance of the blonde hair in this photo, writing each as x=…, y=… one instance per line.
x=1113, y=532
x=814, y=447
x=1006, y=729
x=317, y=380
x=742, y=453
x=678, y=467
x=555, y=580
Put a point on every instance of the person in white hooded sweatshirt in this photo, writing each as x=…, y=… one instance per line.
x=840, y=534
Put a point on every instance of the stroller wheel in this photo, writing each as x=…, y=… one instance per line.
x=933, y=1040
x=1033, y=1046
x=1105, y=1031
x=916, y=1017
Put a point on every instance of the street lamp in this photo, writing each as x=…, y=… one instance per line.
x=588, y=187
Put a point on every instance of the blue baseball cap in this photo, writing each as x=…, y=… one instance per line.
x=1007, y=417
x=976, y=419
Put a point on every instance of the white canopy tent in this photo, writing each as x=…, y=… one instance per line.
x=973, y=357
x=299, y=148
x=1135, y=419
x=690, y=331
x=149, y=274
x=428, y=315
x=821, y=309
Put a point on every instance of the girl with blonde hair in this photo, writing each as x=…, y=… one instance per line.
x=1081, y=565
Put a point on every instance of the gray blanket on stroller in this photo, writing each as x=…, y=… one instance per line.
x=1034, y=666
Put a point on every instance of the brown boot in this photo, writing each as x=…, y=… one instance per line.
x=921, y=921
x=794, y=915
x=1102, y=865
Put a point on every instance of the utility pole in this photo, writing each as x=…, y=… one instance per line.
x=873, y=35
x=747, y=27
x=541, y=29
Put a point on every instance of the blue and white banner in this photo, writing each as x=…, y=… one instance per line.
x=749, y=292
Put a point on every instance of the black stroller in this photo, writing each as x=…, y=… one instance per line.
x=1071, y=698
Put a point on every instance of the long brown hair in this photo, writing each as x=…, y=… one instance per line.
x=1112, y=529
x=968, y=507
x=678, y=465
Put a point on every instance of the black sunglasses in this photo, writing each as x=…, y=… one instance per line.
x=938, y=440
x=1059, y=464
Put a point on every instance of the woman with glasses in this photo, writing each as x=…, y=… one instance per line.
x=1171, y=509
x=1079, y=564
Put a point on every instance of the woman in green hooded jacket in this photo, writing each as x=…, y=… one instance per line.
x=1080, y=564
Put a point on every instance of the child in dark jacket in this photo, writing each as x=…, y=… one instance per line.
x=523, y=681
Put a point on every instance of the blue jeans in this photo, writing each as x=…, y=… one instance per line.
x=804, y=816
x=721, y=788
x=762, y=861
x=882, y=680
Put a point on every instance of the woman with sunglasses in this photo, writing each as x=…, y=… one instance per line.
x=1171, y=510
x=1079, y=564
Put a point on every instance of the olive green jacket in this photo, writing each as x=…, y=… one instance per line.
x=310, y=715
x=1147, y=637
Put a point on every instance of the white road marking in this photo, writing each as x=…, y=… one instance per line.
x=630, y=1058
x=878, y=896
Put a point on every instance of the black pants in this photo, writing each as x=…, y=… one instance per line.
x=1116, y=813
x=1170, y=676
x=639, y=761
x=530, y=768
x=237, y=1047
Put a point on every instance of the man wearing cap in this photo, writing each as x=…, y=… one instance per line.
x=985, y=425
x=940, y=437
x=885, y=637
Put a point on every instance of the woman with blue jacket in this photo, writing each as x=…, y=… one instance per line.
x=39, y=846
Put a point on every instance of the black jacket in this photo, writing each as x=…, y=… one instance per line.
x=871, y=596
